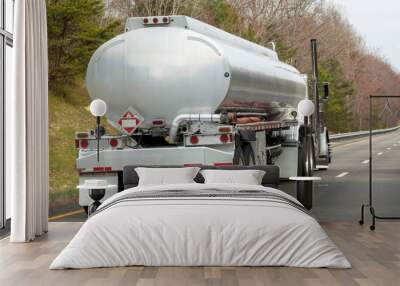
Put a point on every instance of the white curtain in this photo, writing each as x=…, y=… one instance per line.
x=27, y=124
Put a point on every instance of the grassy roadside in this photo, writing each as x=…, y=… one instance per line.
x=66, y=116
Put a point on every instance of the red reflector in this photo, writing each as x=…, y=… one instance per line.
x=84, y=143
x=194, y=139
x=224, y=129
x=113, y=142
x=165, y=20
x=158, y=122
x=222, y=164
x=82, y=135
x=145, y=21
x=102, y=169
x=76, y=143
x=224, y=138
x=192, y=165
x=155, y=20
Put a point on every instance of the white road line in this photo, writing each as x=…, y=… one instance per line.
x=395, y=145
x=380, y=153
x=341, y=175
x=365, y=162
x=388, y=148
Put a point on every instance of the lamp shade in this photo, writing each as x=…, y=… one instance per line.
x=305, y=107
x=98, y=107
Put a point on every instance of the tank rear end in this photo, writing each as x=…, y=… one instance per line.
x=161, y=72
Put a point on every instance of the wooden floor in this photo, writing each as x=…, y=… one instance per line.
x=375, y=257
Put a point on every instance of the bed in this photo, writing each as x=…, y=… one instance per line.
x=199, y=224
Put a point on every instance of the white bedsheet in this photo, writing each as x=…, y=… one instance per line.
x=200, y=231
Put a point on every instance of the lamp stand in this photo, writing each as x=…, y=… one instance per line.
x=98, y=137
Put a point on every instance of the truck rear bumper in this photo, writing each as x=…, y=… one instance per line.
x=112, y=161
x=115, y=160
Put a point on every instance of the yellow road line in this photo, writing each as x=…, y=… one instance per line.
x=65, y=215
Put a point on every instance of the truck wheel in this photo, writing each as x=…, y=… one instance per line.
x=244, y=155
x=304, y=189
x=248, y=154
x=304, y=162
x=310, y=162
x=313, y=156
x=238, y=157
x=329, y=159
x=300, y=160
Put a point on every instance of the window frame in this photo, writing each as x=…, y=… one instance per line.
x=6, y=39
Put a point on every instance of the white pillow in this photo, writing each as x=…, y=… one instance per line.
x=166, y=176
x=247, y=177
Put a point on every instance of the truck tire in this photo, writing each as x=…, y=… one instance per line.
x=309, y=161
x=238, y=156
x=329, y=156
x=313, y=155
x=304, y=169
x=248, y=155
x=244, y=155
x=304, y=162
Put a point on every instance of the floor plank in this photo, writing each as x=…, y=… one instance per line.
x=375, y=257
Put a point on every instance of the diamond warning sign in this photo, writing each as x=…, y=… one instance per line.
x=130, y=121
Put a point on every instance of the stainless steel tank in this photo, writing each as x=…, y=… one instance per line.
x=186, y=66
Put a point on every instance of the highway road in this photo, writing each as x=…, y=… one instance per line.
x=344, y=186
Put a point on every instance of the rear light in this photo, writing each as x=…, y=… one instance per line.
x=224, y=138
x=158, y=122
x=81, y=135
x=222, y=164
x=76, y=143
x=114, y=142
x=156, y=21
x=102, y=169
x=225, y=129
x=192, y=165
x=84, y=143
x=194, y=139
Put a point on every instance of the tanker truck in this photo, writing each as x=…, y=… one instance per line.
x=181, y=92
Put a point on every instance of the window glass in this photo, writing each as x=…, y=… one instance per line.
x=9, y=9
x=2, y=202
x=1, y=14
x=8, y=89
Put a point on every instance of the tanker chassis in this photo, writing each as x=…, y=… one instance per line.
x=181, y=92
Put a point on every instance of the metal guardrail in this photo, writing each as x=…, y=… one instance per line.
x=358, y=134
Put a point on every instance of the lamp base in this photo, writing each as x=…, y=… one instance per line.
x=96, y=195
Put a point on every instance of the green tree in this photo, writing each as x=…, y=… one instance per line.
x=222, y=15
x=337, y=116
x=75, y=29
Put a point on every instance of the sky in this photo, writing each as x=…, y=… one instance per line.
x=378, y=21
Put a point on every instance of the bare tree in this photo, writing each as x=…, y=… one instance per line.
x=292, y=23
x=131, y=8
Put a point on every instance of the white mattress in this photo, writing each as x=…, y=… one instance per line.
x=202, y=231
